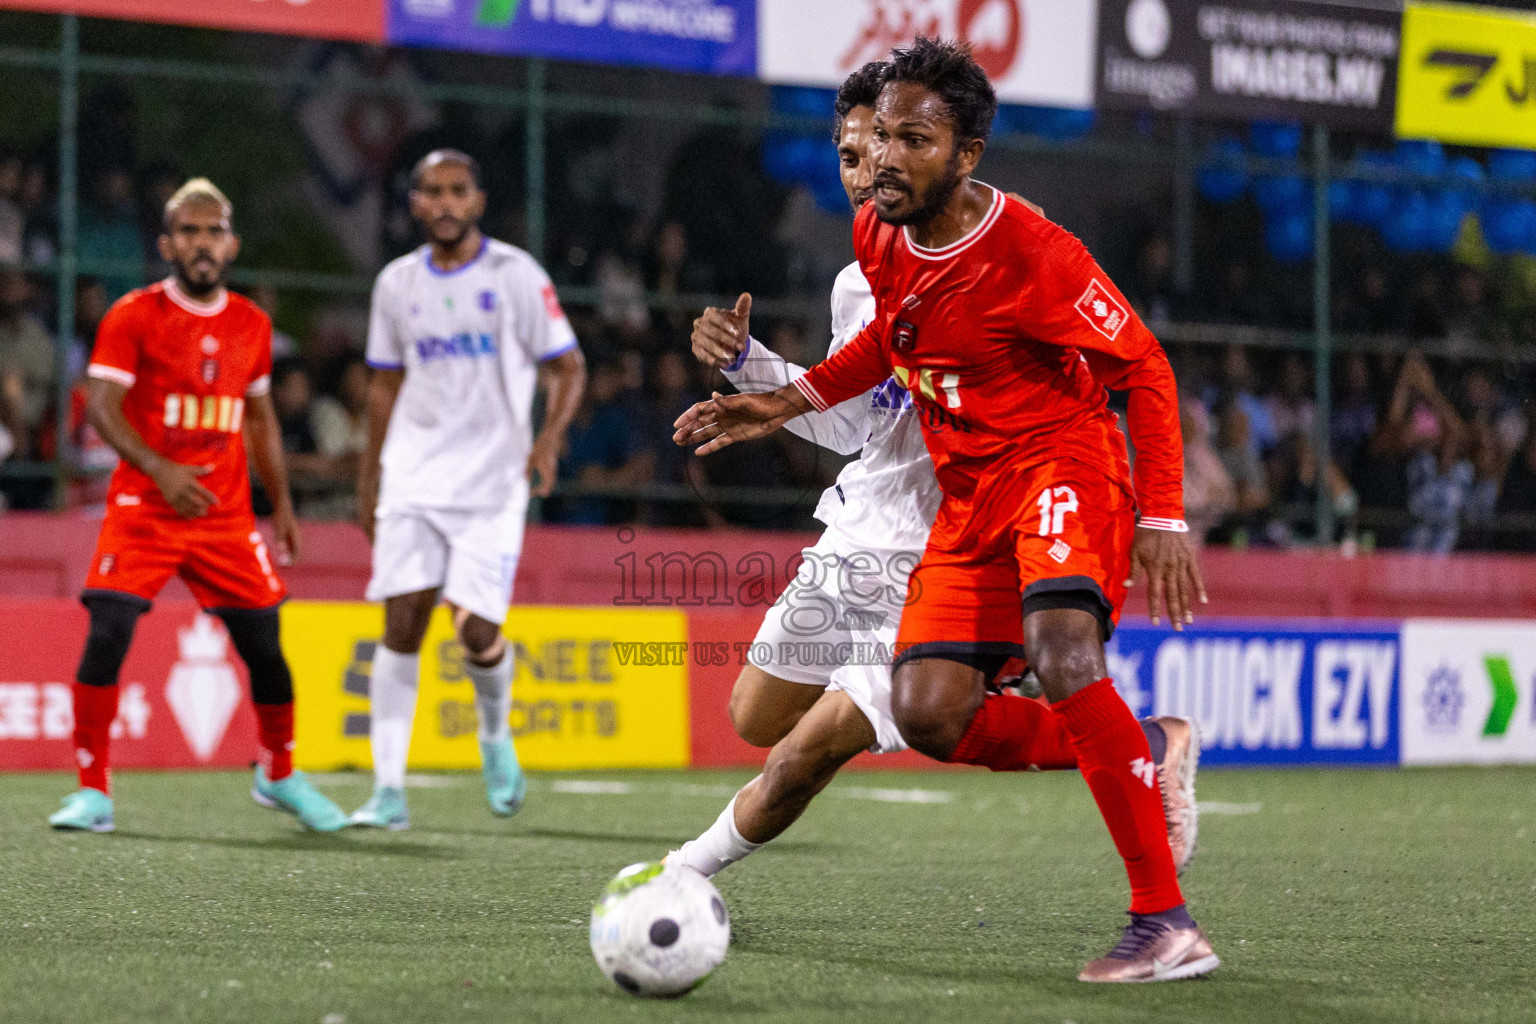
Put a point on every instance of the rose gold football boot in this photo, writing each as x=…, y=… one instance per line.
x=1176, y=779
x=1154, y=948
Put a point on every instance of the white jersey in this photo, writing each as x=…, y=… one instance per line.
x=887, y=498
x=470, y=341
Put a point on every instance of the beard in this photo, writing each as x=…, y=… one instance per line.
x=933, y=199
x=448, y=232
x=196, y=277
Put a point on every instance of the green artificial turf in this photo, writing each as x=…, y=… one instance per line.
x=1330, y=896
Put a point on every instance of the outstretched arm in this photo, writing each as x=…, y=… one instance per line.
x=722, y=339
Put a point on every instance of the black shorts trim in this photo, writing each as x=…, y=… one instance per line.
x=245, y=613
x=1080, y=592
x=143, y=604
x=988, y=657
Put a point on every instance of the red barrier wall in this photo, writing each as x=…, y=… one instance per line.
x=46, y=556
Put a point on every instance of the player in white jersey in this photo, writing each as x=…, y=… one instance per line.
x=461, y=331
x=818, y=712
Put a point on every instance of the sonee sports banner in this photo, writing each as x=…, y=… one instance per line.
x=1468, y=76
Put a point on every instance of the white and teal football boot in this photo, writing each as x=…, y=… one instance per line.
x=385, y=809
x=299, y=797
x=84, y=810
x=505, y=784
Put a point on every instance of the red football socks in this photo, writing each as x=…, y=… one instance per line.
x=1014, y=734
x=95, y=708
x=1116, y=762
x=274, y=729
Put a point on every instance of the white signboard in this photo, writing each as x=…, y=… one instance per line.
x=1468, y=692
x=1037, y=52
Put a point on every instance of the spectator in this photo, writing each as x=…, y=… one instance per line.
x=1425, y=426
x=108, y=240
x=1354, y=414
x=37, y=210
x=1209, y=494
x=602, y=449
x=1152, y=289
x=265, y=296
x=14, y=433
x=25, y=347
x=315, y=476
x=1518, y=497
x=1238, y=385
x=1291, y=410
x=91, y=305
x=340, y=422
x=13, y=223
x=1426, y=311
x=1235, y=449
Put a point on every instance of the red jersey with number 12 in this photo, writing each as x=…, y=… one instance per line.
x=1007, y=340
x=189, y=369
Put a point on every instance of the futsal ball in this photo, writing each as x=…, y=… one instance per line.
x=659, y=931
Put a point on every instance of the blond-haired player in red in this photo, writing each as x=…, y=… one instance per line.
x=179, y=386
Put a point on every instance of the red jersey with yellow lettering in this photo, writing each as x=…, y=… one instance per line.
x=188, y=368
x=1007, y=340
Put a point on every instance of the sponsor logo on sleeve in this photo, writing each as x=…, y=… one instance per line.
x=1102, y=310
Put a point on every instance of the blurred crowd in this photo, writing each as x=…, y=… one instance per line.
x=1428, y=450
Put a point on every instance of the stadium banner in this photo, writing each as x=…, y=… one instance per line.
x=358, y=20
x=182, y=704
x=1469, y=692
x=1269, y=692
x=1468, y=76
x=1037, y=52
x=1251, y=60
x=592, y=688
x=711, y=36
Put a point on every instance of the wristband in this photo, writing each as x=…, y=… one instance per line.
x=1171, y=525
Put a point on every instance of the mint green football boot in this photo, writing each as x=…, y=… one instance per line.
x=299, y=797
x=505, y=784
x=84, y=810
x=385, y=809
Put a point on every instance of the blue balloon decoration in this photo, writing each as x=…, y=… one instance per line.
x=1343, y=202
x=1373, y=199
x=1421, y=156
x=803, y=99
x=1275, y=192
x=1443, y=220
x=1288, y=236
x=790, y=158
x=1221, y=176
x=1512, y=165
x=1509, y=225
x=1063, y=124
x=1280, y=140
x=830, y=197
x=1406, y=228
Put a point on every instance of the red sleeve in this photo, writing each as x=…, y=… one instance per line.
x=1070, y=301
x=119, y=340
x=851, y=370
x=261, y=372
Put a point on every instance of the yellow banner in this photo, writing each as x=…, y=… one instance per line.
x=577, y=700
x=1467, y=75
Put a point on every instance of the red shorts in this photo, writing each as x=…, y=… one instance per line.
x=1053, y=535
x=224, y=561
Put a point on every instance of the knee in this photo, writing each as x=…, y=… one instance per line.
x=481, y=638
x=1067, y=665
x=929, y=722
x=113, y=621
x=759, y=727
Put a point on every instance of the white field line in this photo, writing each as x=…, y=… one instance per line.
x=591, y=787
x=896, y=796
x=1217, y=807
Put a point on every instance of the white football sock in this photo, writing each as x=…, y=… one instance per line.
x=392, y=695
x=719, y=847
x=493, y=695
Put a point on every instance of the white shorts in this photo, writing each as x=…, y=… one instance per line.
x=835, y=626
x=471, y=555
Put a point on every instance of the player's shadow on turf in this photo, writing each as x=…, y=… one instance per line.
x=301, y=842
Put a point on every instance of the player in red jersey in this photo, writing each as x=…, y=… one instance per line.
x=1007, y=334
x=179, y=386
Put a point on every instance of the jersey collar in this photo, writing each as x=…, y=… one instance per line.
x=175, y=294
x=965, y=241
x=426, y=253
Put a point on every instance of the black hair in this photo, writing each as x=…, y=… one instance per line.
x=445, y=156
x=286, y=367
x=948, y=70
x=860, y=89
